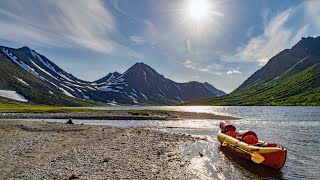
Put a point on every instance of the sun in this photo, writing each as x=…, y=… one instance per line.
x=198, y=10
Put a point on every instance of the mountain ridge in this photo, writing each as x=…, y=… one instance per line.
x=140, y=84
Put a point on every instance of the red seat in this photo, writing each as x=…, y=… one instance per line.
x=231, y=133
x=226, y=127
x=250, y=137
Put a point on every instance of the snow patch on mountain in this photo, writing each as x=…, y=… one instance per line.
x=108, y=89
x=21, y=63
x=83, y=95
x=22, y=81
x=111, y=77
x=49, y=66
x=179, y=99
x=74, y=85
x=119, y=87
x=52, y=84
x=91, y=88
x=12, y=95
x=134, y=94
x=68, y=87
x=133, y=99
x=113, y=103
x=161, y=96
x=65, y=77
x=144, y=96
x=179, y=88
x=162, y=92
x=145, y=77
x=42, y=69
x=36, y=55
x=66, y=92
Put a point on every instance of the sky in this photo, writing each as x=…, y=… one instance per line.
x=222, y=42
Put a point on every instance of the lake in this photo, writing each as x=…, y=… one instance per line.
x=295, y=128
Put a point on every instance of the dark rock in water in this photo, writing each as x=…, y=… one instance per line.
x=69, y=121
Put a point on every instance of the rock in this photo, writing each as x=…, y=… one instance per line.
x=106, y=160
x=69, y=121
x=200, y=154
x=72, y=176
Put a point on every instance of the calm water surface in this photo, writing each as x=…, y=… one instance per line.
x=296, y=128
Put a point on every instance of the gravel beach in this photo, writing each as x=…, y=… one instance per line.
x=42, y=150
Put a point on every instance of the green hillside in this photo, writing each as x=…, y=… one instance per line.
x=291, y=78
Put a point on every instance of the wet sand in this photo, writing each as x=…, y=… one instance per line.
x=42, y=150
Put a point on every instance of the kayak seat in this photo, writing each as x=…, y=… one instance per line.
x=250, y=137
x=226, y=127
x=229, y=127
x=231, y=133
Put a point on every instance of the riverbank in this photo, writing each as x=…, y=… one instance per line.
x=117, y=115
x=42, y=150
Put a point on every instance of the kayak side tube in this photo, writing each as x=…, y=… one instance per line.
x=275, y=157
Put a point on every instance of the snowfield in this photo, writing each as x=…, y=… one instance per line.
x=12, y=95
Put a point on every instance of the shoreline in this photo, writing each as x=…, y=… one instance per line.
x=118, y=115
x=43, y=150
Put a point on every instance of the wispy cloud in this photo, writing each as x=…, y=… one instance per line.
x=74, y=23
x=213, y=68
x=276, y=37
x=312, y=9
x=138, y=40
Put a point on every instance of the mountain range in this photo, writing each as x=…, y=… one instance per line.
x=28, y=76
x=292, y=77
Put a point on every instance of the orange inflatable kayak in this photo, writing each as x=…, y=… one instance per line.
x=248, y=146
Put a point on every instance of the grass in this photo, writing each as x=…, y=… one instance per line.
x=17, y=107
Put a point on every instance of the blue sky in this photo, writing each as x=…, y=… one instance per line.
x=92, y=38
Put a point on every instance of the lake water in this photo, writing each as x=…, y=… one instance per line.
x=296, y=128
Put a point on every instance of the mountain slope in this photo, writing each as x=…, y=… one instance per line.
x=142, y=84
x=290, y=78
x=29, y=86
x=108, y=77
x=213, y=89
x=30, y=76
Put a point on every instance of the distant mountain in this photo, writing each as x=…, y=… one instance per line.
x=108, y=77
x=142, y=84
x=213, y=89
x=29, y=75
x=292, y=77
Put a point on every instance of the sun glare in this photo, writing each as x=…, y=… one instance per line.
x=198, y=10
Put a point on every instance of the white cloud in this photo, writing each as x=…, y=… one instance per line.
x=138, y=40
x=74, y=23
x=213, y=68
x=312, y=9
x=233, y=72
x=276, y=37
